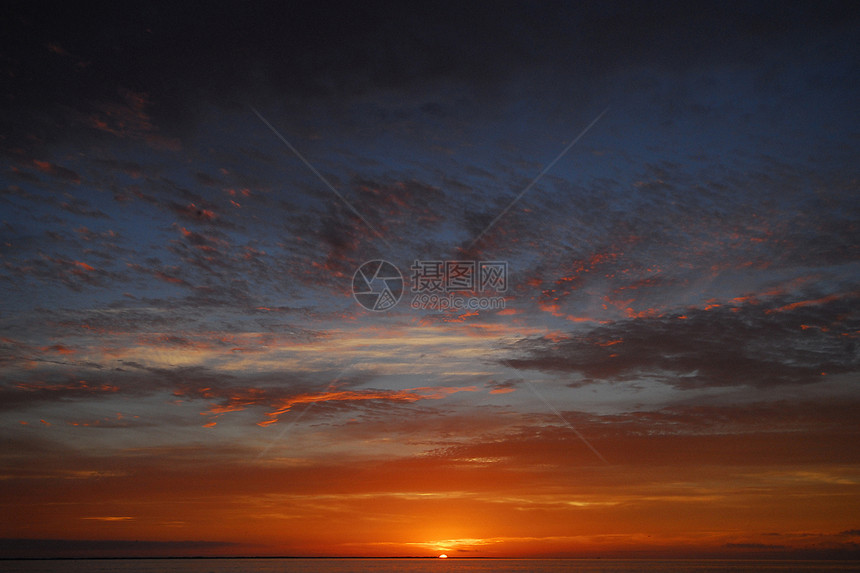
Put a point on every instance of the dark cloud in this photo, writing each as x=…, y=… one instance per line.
x=746, y=345
x=73, y=274
x=194, y=213
x=80, y=207
x=24, y=395
x=503, y=386
x=57, y=171
x=217, y=391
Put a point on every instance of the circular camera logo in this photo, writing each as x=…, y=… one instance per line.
x=377, y=285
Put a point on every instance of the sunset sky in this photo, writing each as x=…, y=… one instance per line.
x=672, y=368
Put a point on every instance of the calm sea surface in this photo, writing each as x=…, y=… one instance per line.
x=420, y=566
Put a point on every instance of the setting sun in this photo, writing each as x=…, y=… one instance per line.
x=443, y=556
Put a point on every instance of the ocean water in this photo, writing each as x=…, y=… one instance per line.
x=422, y=566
